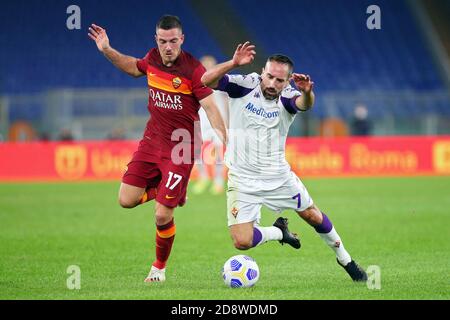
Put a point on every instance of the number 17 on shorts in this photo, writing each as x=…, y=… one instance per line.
x=173, y=186
x=173, y=180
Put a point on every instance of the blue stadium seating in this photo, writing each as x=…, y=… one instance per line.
x=326, y=38
x=38, y=51
x=330, y=40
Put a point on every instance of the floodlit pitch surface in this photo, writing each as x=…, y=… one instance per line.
x=400, y=225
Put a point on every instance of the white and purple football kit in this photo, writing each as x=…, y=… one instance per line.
x=208, y=133
x=258, y=171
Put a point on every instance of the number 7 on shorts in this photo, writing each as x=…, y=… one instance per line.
x=299, y=200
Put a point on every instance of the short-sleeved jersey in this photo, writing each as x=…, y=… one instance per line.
x=173, y=103
x=258, y=128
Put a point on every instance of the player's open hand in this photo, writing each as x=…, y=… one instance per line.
x=98, y=34
x=244, y=54
x=303, y=82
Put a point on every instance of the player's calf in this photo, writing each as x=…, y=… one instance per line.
x=242, y=234
x=242, y=243
x=329, y=235
x=312, y=216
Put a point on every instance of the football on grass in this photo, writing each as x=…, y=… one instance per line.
x=240, y=271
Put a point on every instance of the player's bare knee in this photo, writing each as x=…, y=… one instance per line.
x=312, y=215
x=163, y=214
x=160, y=219
x=241, y=243
x=127, y=202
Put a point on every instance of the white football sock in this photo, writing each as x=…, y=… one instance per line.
x=333, y=240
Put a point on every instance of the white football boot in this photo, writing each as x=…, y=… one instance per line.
x=156, y=275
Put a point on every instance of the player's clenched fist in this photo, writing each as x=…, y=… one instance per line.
x=98, y=34
x=303, y=82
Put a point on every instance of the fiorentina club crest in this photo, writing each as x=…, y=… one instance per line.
x=234, y=212
x=176, y=82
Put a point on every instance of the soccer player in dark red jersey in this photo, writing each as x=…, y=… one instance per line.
x=161, y=166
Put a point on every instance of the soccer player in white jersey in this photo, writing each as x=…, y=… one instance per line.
x=262, y=107
x=212, y=149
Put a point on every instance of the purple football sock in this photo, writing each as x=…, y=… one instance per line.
x=325, y=226
x=257, y=237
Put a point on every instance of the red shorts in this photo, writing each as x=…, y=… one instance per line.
x=171, y=180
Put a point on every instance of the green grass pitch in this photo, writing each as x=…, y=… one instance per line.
x=398, y=224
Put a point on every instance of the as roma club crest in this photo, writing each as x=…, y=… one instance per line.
x=176, y=82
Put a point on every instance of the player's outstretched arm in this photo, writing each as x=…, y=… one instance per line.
x=214, y=117
x=305, y=85
x=123, y=62
x=244, y=54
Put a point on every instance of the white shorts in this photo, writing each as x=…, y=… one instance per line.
x=246, y=197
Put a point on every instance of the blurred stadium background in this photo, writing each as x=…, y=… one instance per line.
x=53, y=80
